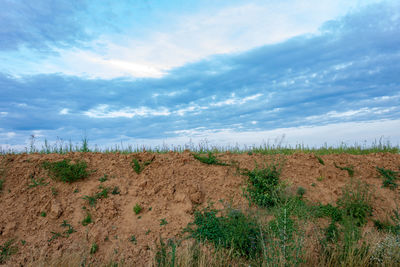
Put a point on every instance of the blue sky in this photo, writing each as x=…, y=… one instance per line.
x=154, y=72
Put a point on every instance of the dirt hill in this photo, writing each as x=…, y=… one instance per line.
x=45, y=217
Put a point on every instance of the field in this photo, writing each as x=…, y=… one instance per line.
x=260, y=207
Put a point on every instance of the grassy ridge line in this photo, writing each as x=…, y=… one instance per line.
x=356, y=149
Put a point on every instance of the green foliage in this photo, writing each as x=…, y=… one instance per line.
x=210, y=160
x=43, y=214
x=133, y=239
x=1, y=184
x=94, y=248
x=392, y=226
x=70, y=229
x=115, y=190
x=54, y=236
x=328, y=210
x=356, y=202
x=320, y=160
x=137, y=209
x=66, y=171
x=6, y=250
x=332, y=233
x=233, y=230
x=300, y=191
x=35, y=183
x=87, y=219
x=163, y=222
x=104, y=178
x=263, y=186
x=54, y=191
x=166, y=253
x=390, y=177
x=349, y=169
x=99, y=195
x=137, y=167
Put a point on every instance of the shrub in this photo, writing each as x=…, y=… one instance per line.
x=356, y=202
x=231, y=230
x=66, y=171
x=263, y=187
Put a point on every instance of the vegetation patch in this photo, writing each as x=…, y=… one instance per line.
x=6, y=250
x=66, y=171
x=263, y=187
x=1, y=184
x=99, y=195
x=389, y=177
x=320, y=160
x=210, y=159
x=137, y=166
x=137, y=208
x=38, y=182
x=349, y=169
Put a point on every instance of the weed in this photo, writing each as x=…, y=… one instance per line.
x=356, y=202
x=133, y=239
x=76, y=191
x=104, y=178
x=349, y=169
x=137, y=167
x=163, y=257
x=301, y=191
x=23, y=242
x=392, y=226
x=210, y=160
x=36, y=183
x=43, y=214
x=54, y=191
x=163, y=222
x=263, y=186
x=1, y=184
x=115, y=191
x=137, y=209
x=70, y=229
x=91, y=199
x=233, y=230
x=6, y=250
x=320, y=160
x=66, y=171
x=313, y=184
x=54, y=236
x=94, y=248
x=332, y=233
x=148, y=232
x=87, y=219
x=99, y=195
x=150, y=208
x=390, y=177
x=320, y=178
x=328, y=210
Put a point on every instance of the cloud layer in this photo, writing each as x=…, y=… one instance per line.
x=347, y=72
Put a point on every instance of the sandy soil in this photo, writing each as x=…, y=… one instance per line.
x=170, y=188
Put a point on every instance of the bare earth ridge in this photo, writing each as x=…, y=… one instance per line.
x=169, y=189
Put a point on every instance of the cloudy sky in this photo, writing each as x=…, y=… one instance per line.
x=170, y=71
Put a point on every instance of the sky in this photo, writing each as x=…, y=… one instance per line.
x=225, y=73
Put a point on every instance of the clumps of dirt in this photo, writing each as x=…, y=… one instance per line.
x=46, y=216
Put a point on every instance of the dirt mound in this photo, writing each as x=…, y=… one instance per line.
x=45, y=216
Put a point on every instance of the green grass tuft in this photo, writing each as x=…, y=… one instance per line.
x=66, y=171
x=210, y=160
x=137, y=209
x=390, y=177
x=7, y=250
x=349, y=169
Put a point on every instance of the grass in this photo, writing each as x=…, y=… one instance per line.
x=66, y=171
x=94, y=248
x=1, y=184
x=137, y=209
x=163, y=222
x=133, y=240
x=349, y=169
x=210, y=159
x=7, y=250
x=92, y=200
x=39, y=182
x=389, y=177
x=320, y=160
x=137, y=166
x=87, y=219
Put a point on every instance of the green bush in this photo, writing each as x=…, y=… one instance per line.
x=233, y=229
x=66, y=171
x=356, y=202
x=390, y=177
x=263, y=186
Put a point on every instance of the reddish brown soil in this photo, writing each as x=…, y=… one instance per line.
x=170, y=188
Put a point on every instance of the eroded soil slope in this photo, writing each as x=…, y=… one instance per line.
x=169, y=189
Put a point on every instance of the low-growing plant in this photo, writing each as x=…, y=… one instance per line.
x=349, y=169
x=390, y=177
x=137, y=167
x=332, y=233
x=137, y=208
x=233, y=229
x=210, y=160
x=54, y=236
x=163, y=222
x=320, y=160
x=263, y=186
x=335, y=213
x=94, y=248
x=115, y=190
x=1, y=184
x=43, y=214
x=103, y=178
x=99, y=195
x=54, y=191
x=66, y=171
x=7, y=250
x=35, y=183
x=87, y=219
x=166, y=253
x=300, y=191
x=320, y=178
x=133, y=239
x=356, y=201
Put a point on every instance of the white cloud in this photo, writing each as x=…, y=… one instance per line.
x=236, y=100
x=3, y=114
x=350, y=113
x=64, y=111
x=104, y=111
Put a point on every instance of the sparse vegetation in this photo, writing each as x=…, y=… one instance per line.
x=137, y=166
x=94, y=248
x=103, y=178
x=6, y=250
x=349, y=169
x=137, y=208
x=210, y=160
x=389, y=177
x=163, y=222
x=133, y=239
x=43, y=214
x=66, y=171
x=320, y=160
x=1, y=184
x=92, y=200
x=35, y=183
x=87, y=219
